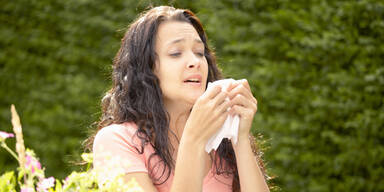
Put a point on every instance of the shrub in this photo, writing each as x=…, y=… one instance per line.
x=30, y=175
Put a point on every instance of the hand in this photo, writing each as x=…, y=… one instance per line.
x=208, y=114
x=243, y=104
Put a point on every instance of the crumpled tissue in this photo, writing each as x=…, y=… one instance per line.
x=230, y=128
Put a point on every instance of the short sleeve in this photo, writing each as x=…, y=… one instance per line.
x=114, y=149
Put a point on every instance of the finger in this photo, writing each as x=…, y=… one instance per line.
x=240, y=89
x=244, y=113
x=221, y=119
x=246, y=84
x=219, y=98
x=211, y=92
x=232, y=85
x=243, y=101
x=224, y=106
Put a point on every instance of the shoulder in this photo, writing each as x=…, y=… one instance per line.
x=116, y=150
x=117, y=135
x=116, y=130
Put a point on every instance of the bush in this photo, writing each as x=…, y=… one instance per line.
x=316, y=68
x=30, y=175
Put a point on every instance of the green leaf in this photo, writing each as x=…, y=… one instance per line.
x=7, y=182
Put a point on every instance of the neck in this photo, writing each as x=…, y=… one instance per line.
x=178, y=113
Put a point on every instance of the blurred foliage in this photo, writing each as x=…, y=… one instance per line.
x=315, y=66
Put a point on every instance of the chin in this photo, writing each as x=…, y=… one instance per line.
x=192, y=99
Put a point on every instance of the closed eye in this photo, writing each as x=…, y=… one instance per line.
x=175, y=54
x=200, y=54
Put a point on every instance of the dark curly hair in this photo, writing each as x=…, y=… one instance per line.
x=136, y=96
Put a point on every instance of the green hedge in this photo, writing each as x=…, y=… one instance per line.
x=316, y=68
x=54, y=68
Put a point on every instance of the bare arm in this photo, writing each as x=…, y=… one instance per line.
x=250, y=174
x=245, y=105
x=207, y=116
x=190, y=164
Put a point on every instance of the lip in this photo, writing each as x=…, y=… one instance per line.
x=194, y=76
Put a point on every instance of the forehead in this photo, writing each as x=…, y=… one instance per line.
x=170, y=31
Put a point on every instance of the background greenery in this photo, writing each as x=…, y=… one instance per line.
x=315, y=66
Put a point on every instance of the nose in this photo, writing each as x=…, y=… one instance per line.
x=193, y=61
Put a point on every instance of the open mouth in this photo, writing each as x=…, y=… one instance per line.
x=192, y=81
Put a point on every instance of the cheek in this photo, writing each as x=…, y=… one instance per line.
x=205, y=69
x=161, y=71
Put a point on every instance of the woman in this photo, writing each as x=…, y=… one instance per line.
x=159, y=116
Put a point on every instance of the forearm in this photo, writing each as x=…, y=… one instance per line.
x=189, y=171
x=250, y=174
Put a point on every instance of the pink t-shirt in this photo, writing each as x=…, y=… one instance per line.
x=118, y=142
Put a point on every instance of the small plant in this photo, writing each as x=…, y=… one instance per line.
x=30, y=175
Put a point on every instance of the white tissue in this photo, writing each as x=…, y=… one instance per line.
x=230, y=127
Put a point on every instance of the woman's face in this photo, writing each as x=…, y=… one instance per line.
x=181, y=65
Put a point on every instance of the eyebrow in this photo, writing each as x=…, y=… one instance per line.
x=182, y=39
